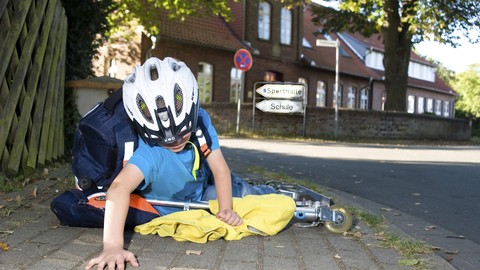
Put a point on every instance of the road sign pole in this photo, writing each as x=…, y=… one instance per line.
x=239, y=92
x=336, y=44
x=243, y=61
x=336, y=87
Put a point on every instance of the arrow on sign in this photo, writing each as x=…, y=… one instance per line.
x=281, y=90
x=280, y=106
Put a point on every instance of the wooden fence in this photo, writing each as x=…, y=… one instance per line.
x=32, y=59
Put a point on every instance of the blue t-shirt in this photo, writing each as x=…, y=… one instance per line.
x=168, y=175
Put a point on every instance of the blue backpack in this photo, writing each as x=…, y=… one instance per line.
x=104, y=140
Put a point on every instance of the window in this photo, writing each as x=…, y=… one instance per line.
x=364, y=99
x=438, y=107
x=272, y=76
x=264, y=20
x=351, y=97
x=204, y=78
x=430, y=105
x=446, y=109
x=421, y=71
x=374, y=60
x=384, y=99
x=411, y=104
x=286, y=27
x=339, y=96
x=321, y=97
x=420, y=105
x=112, y=68
x=236, y=85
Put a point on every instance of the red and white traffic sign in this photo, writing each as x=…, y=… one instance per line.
x=243, y=60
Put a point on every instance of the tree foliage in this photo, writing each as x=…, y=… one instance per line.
x=87, y=26
x=446, y=74
x=467, y=84
x=401, y=25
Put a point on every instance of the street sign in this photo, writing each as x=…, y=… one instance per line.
x=287, y=91
x=280, y=106
x=326, y=43
x=243, y=60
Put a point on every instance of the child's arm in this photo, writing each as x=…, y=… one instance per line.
x=116, y=209
x=223, y=186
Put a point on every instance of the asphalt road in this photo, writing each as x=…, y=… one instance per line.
x=438, y=184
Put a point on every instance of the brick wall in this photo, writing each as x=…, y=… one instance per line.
x=320, y=123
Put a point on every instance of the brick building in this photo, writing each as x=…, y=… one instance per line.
x=283, y=45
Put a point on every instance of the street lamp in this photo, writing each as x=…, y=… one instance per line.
x=336, y=45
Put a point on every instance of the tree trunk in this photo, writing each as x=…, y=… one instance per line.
x=398, y=45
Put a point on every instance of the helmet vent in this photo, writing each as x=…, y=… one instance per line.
x=142, y=106
x=160, y=103
x=175, y=66
x=178, y=95
x=153, y=73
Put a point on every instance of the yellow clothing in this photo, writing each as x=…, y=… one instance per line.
x=261, y=214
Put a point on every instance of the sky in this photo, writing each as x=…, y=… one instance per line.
x=456, y=59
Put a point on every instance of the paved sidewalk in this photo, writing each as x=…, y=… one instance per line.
x=37, y=241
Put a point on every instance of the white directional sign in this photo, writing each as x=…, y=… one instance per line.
x=326, y=43
x=287, y=91
x=280, y=106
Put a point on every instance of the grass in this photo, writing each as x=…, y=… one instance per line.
x=10, y=185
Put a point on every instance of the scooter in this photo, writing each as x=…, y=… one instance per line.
x=312, y=208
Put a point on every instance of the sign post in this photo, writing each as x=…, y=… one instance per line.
x=335, y=44
x=286, y=98
x=243, y=61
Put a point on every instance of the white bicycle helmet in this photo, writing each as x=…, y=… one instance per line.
x=161, y=100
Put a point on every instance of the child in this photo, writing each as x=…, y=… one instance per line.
x=162, y=102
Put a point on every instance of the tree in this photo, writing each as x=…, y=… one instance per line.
x=87, y=25
x=401, y=25
x=467, y=84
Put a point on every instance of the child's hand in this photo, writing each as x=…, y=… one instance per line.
x=113, y=258
x=230, y=217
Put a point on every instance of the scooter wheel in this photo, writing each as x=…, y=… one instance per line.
x=344, y=220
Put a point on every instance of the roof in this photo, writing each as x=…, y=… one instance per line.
x=208, y=31
x=357, y=46
x=375, y=42
x=324, y=57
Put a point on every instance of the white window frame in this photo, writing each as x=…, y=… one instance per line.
x=264, y=20
x=430, y=105
x=351, y=97
x=321, y=94
x=205, y=82
x=438, y=107
x=420, y=105
x=446, y=109
x=339, y=95
x=286, y=26
x=411, y=104
x=364, y=99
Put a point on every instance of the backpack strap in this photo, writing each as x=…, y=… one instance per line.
x=202, y=142
x=196, y=162
x=113, y=99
